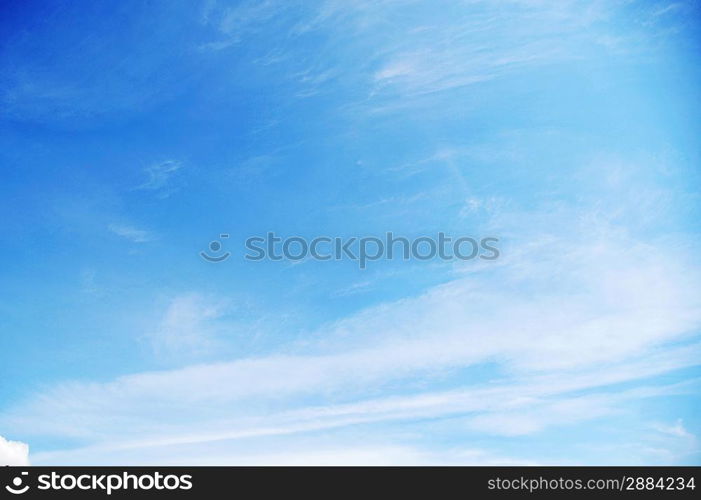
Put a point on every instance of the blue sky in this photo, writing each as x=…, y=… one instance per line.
x=133, y=134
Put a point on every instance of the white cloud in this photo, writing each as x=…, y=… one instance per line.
x=235, y=23
x=676, y=430
x=575, y=304
x=598, y=313
x=372, y=451
x=450, y=52
x=13, y=452
x=159, y=177
x=187, y=326
x=517, y=409
x=601, y=308
x=131, y=233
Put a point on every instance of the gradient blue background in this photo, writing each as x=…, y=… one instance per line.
x=132, y=134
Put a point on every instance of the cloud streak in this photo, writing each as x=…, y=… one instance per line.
x=160, y=177
x=600, y=312
x=131, y=233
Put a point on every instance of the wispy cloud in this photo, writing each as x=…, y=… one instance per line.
x=600, y=312
x=160, y=176
x=593, y=308
x=187, y=326
x=131, y=233
x=677, y=430
x=603, y=308
x=355, y=288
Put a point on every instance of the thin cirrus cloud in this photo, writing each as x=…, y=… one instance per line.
x=602, y=311
x=160, y=177
x=188, y=327
x=591, y=312
x=131, y=233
